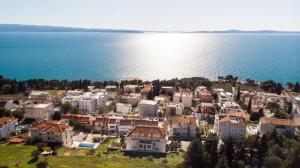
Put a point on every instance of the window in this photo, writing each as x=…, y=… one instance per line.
x=141, y=145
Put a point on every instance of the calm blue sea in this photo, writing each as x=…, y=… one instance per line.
x=112, y=56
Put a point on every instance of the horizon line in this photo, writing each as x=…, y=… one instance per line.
x=142, y=30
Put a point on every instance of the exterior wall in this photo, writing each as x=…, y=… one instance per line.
x=73, y=100
x=185, y=99
x=124, y=129
x=268, y=128
x=7, y=129
x=88, y=105
x=236, y=131
x=123, y=108
x=148, y=110
x=65, y=138
x=146, y=145
x=39, y=114
x=183, y=130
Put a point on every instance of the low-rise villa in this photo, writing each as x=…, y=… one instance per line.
x=146, y=139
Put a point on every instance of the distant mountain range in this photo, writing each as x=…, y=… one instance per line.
x=43, y=28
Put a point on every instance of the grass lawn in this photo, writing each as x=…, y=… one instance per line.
x=53, y=92
x=81, y=158
x=10, y=154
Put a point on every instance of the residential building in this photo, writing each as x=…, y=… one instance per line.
x=281, y=126
x=174, y=109
x=231, y=125
x=124, y=108
x=131, y=88
x=127, y=123
x=72, y=99
x=88, y=103
x=225, y=97
x=204, y=111
x=39, y=112
x=146, y=139
x=7, y=126
x=230, y=106
x=38, y=95
x=167, y=90
x=186, y=98
x=52, y=132
x=148, y=108
x=182, y=126
x=84, y=120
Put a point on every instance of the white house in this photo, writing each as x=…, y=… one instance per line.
x=127, y=123
x=7, y=126
x=231, y=125
x=38, y=95
x=39, y=112
x=174, y=109
x=88, y=103
x=182, y=126
x=281, y=126
x=72, y=99
x=225, y=97
x=146, y=139
x=230, y=106
x=186, y=98
x=52, y=132
x=134, y=98
x=123, y=108
x=148, y=108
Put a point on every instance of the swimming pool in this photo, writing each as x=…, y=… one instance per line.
x=86, y=145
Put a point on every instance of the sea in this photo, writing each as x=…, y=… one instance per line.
x=149, y=56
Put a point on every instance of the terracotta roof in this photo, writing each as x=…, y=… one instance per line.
x=78, y=117
x=50, y=126
x=184, y=119
x=276, y=121
x=133, y=122
x=16, y=140
x=5, y=120
x=146, y=132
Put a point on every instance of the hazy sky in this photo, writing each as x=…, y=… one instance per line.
x=184, y=15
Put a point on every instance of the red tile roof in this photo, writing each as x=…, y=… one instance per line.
x=146, y=132
x=276, y=121
x=49, y=126
x=5, y=120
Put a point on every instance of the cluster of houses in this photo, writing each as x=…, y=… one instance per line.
x=138, y=119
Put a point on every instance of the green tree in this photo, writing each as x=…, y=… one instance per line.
x=195, y=155
x=273, y=162
x=249, y=105
x=238, y=94
x=56, y=116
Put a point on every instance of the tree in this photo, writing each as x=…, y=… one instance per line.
x=249, y=105
x=18, y=114
x=56, y=116
x=195, y=155
x=222, y=162
x=273, y=162
x=296, y=87
x=229, y=151
x=238, y=94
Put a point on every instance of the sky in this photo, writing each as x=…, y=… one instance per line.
x=159, y=15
